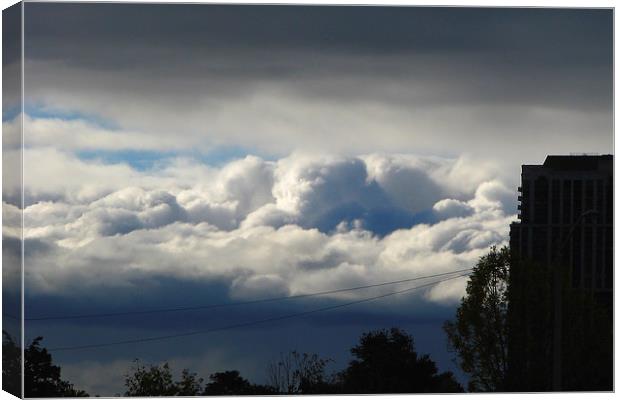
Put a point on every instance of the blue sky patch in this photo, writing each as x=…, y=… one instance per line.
x=140, y=160
x=143, y=160
x=37, y=111
x=9, y=113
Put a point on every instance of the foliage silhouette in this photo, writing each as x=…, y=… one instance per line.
x=386, y=362
x=230, y=383
x=157, y=380
x=42, y=377
x=503, y=330
x=11, y=365
x=296, y=373
x=479, y=334
x=190, y=384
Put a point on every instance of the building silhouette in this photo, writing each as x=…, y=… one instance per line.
x=566, y=218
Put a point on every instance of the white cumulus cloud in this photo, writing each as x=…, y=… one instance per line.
x=256, y=224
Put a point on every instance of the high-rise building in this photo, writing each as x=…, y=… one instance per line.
x=566, y=218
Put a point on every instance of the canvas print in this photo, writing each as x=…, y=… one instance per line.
x=213, y=199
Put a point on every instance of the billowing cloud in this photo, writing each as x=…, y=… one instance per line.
x=450, y=208
x=299, y=224
x=81, y=134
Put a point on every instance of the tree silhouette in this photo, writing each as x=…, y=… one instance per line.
x=503, y=331
x=296, y=373
x=11, y=365
x=479, y=334
x=227, y=383
x=42, y=377
x=189, y=385
x=157, y=380
x=230, y=383
x=386, y=362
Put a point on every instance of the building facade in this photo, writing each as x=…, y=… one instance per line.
x=566, y=218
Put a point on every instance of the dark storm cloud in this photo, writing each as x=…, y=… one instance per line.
x=401, y=56
x=451, y=77
x=550, y=33
x=156, y=293
x=11, y=73
x=11, y=35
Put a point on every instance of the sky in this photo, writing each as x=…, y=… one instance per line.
x=183, y=155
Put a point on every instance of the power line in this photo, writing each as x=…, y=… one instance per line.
x=221, y=305
x=250, y=323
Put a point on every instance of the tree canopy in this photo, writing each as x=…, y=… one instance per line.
x=503, y=329
x=479, y=333
x=157, y=380
x=150, y=380
x=11, y=365
x=386, y=362
x=230, y=383
x=42, y=377
x=297, y=373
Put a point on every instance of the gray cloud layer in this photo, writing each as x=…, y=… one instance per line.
x=520, y=82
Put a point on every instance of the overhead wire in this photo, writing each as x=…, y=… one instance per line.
x=250, y=323
x=233, y=304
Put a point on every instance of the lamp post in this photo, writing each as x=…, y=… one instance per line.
x=557, y=306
